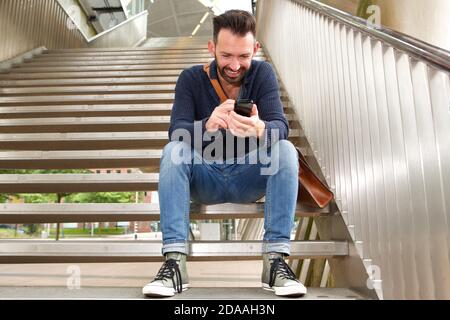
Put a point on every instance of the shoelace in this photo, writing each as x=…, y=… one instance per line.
x=168, y=270
x=280, y=267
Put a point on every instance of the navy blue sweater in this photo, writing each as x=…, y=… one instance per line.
x=195, y=100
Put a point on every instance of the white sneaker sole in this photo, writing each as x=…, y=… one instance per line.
x=156, y=291
x=291, y=291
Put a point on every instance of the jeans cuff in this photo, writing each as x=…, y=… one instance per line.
x=280, y=247
x=182, y=247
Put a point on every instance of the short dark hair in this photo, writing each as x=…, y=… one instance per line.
x=239, y=22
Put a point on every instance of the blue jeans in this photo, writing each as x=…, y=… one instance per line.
x=207, y=182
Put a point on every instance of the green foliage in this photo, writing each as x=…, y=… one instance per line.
x=362, y=8
x=101, y=197
x=93, y=197
x=87, y=232
x=35, y=198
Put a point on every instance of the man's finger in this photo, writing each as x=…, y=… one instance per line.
x=240, y=125
x=222, y=123
x=226, y=107
x=242, y=119
x=223, y=117
x=254, y=111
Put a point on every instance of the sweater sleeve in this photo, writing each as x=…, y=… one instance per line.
x=270, y=107
x=182, y=119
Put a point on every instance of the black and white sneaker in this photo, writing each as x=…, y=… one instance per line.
x=172, y=277
x=279, y=278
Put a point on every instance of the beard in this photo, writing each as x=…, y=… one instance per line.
x=229, y=79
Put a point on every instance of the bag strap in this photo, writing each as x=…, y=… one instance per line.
x=215, y=83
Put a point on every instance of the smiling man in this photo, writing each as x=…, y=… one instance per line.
x=228, y=157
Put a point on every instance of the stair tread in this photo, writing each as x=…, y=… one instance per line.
x=89, y=81
x=193, y=293
x=107, y=212
x=113, y=65
x=40, y=251
x=84, y=88
x=89, y=74
x=126, y=98
x=202, y=59
x=80, y=159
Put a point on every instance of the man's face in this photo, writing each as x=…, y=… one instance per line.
x=233, y=54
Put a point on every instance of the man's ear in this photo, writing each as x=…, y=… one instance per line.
x=256, y=47
x=212, y=48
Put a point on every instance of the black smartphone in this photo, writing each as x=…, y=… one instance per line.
x=243, y=107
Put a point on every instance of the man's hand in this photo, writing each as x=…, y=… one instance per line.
x=220, y=116
x=246, y=126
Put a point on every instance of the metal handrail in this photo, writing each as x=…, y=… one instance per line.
x=416, y=48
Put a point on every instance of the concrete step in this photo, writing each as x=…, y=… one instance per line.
x=145, y=158
x=100, y=251
x=111, y=212
x=193, y=293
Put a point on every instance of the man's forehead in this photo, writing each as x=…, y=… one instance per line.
x=228, y=38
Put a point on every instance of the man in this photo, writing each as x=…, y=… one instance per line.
x=225, y=172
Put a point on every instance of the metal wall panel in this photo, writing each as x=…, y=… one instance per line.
x=28, y=24
x=377, y=118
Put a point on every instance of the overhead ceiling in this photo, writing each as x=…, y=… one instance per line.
x=167, y=18
x=105, y=14
x=175, y=18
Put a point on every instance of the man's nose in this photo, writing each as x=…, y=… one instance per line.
x=235, y=65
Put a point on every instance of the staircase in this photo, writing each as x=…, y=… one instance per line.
x=110, y=108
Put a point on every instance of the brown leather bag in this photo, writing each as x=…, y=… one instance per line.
x=311, y=191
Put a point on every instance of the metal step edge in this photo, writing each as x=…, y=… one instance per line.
x=119, y=98
x=99, y=251
x=94, y=120
x=113, y=64
x=193, y=293
x=145, y=158
x=77, y=75
x=84, y=88
x=49, y=111
x=75, y=141
x=89, y=81
x=108, y=212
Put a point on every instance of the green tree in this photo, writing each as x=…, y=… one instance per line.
x=362, y=8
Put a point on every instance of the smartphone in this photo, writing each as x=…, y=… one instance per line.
x=243, y=107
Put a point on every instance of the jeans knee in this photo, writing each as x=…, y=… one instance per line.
x=176, y=153
x=286, y=153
